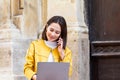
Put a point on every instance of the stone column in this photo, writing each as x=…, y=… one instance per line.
x=19, y=25
x=84, y=71
x=73, y=11
x=8, y=31
x=29, y=29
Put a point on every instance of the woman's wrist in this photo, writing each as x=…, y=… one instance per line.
x=62, y=55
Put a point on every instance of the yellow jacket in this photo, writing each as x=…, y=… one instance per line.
x=39, y=52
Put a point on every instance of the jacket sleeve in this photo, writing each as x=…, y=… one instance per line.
x=29, y=65
x=68, y=58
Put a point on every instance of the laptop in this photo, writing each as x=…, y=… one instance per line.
x=52, y=71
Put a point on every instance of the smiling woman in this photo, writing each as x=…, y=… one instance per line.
x=53, y=31
x=60, y=22
x=50, y=48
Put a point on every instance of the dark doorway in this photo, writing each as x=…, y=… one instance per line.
x=104, y=35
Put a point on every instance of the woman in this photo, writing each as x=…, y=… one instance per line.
x=51, y=48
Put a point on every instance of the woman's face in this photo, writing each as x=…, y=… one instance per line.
x=53, y=32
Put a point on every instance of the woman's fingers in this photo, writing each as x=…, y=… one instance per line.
x=60, y=42
x=60, y=47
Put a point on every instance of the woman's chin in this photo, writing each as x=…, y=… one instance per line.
x=52, y=40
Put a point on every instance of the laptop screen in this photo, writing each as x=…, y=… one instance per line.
x=52, y=71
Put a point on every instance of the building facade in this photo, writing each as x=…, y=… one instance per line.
x=22, y=21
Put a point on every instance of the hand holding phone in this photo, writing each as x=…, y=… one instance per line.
x=60, y=42
x=60, y=47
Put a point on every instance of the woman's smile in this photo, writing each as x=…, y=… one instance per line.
x=53, y=32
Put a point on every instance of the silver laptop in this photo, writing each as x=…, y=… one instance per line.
x=52, y=71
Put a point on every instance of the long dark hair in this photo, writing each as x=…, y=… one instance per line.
x=61, y=21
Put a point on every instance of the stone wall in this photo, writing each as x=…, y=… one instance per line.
x=22, y=21
x=73, y=11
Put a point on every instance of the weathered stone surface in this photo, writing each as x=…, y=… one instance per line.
x=84, y=60
x=5, y=58
x=30, y=29
x=18, y=22
x=73, y=43
x=19, y=48
x=66, y=8
x=7, y=34
x=5, y=61
x=20, y=78
x=21, y=24
x=78, y=43
x=4, y=11
x=6, y=77
x=12, y=59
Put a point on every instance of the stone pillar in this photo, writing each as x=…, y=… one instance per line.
x=19, y=25
x=84, y=71
x=31, y=19
x=18, y=51
x=73, y=11
x=8, y=31
x=29, y=28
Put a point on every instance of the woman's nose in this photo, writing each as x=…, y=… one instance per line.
x=53, y=33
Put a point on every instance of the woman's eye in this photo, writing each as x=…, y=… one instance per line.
x=51, y=30
x=57, y=32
